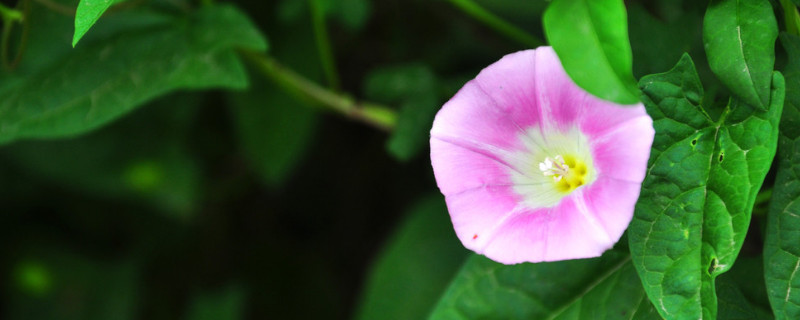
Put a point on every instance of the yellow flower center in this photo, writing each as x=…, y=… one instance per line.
x=568, y=172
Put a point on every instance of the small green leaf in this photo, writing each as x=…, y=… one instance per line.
x=591, y=39
x=353, y=14
x=781, y=247
x=600, y=288
x=697, y=199
x=33, y=278
x=414, y=268
x=414, y=88
x=739, y=38
x=273, y=128
x=227, y=303
x=92, y=85
x=87, y=14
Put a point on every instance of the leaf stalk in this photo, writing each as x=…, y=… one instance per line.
x=376, y=115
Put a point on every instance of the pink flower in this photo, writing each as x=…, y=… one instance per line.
x=532, y=167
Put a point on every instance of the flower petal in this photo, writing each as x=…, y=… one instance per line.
x=494, y=107
x=476, y=213
x=451, y=159
x=564, y=104
x=622, y=153
x=612, y=201
x=567, y=231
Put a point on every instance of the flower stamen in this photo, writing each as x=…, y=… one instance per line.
x=554, y=167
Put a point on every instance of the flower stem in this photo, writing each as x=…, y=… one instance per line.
x=791, y=17
x=324, y=44
x=763, y=197
x=378, y=116
x=473, y=9
x=10, y=17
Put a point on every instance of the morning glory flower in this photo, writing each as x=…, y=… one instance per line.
x=532, y=167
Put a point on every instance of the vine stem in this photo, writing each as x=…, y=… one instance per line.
x=492, y=21
x=324, y=43
x=376, y=115
x=9, y=17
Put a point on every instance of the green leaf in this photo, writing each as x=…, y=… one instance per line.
x=697, y=199
x=87, y=14
x=600, y=288
x=739, y=38
x=273, y=128
x=404, y=270
x=781, y=247
x=124, y=162
x=591, y=39
x=92, y=85
x=656, y=44
x=227, y=303
x=743, y=275
x=414, y=88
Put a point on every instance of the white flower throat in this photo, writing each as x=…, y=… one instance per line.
x=547, y=169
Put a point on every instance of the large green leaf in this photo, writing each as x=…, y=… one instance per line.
x=696, y=201
x=739, y=38
x=415, y=266
x=743, y=275
x=656, y=44
x=782, y=243
x=96, y=83
x=591, y=39
x=87, y=14
x=600, y=288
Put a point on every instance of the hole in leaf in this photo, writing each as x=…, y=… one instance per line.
x=712, y=266
x=694, y=142
x=721, y=156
